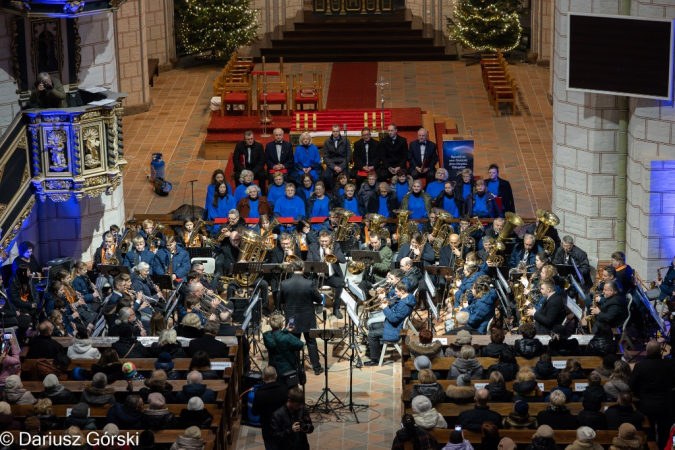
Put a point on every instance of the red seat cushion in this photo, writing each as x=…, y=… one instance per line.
x=236, y=98
x=275, y=98
x=301, y=99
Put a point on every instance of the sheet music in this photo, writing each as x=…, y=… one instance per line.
x=349, y=301
x=252, y=304
x=503, y=282
x=432, y=307
x=103, y=102
x=430, y=286
x=356, y=290
x=94, y=89
x=576, y=269
x=352, y=315
x=574, y=308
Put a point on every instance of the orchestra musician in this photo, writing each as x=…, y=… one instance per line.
x=139, y=254
x=22, y=292
x=367, y=158
x=84, y=286
x=449, y=253
x=667, y=284
x=250, y=155
x=172, y=260
x=448, y=201
x=552, y=310
x=334, y=278
x=121, y=284
x=569, y=252
x=543, y=271
x=11, y=316
x=481, y=304
x=74, y=298
x=376, y=272
x=108, y=250
x=287, y=247
x=183, y=235
x=127, y=316
x=411, y=273
x=416, y=251
x=141, y=282
x=525, y=254
x=223, y=204
x=477, y=235
x=471, y=274
x=395, y=315
x=27, y=258
x=488, y=246
x=614, y=310
x=624, y=272
x=331, y=224
x=147, y=229
x=300, y=295
x=550, y=232
x=497, y=226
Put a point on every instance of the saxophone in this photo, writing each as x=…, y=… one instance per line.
x=405, y=227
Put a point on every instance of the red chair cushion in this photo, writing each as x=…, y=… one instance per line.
x=300, y=99
x=276, y=98
x=236, y=98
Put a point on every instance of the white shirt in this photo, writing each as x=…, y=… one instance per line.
x=279, y=153
x=423, y=148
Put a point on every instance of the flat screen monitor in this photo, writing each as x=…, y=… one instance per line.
x=620, y=55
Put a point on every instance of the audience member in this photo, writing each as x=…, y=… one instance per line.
x=544, y=369
x=42, y=345
x=78, y=439
x=202, y=364
x=457, y=442
x=429, y=387
x=56, y=392
x=473, y=419
x=591, y=416
x=82, y=347
x=45, y=413
x=11, y=362
x=506, y=365
x=110, y=431
x=564, y=386
x=420, y=439
x=291, y=423
x=455, y=349
x=489, y=436
x=79, y=417
x=462, y=319
x=507, y=444
x=584, y=441
x=195, y=388
x=573, y=368
x=196, y=415
x=607, y=366
x=109, y=365
x=157, y=416
x=421, y=363
x=561, y=344
x=97, y=393
x=32, y=426
x=146, y=441
x=425, y=414
x=190, y=327
x=157, y=383
x=269, y=397
x=496, y=345
x=602, y=343
x=128, y=346
x=129, y=372
x=529, y=346
x=520, y=418
x=623, y=412
x=15, y=394
x=127, y=416
x=466, y=364
x=526, y=387
x=190, y=440
x=556, y=415
x=208, y=342
x=282, y=346
x=425, y=346
x=165, y=362
x=167, y=343
x=627, y=440
x=462, y=393
x=497, y=387
x=543, y=439
x=595, y=390
x=618, y=380
x=7, y=421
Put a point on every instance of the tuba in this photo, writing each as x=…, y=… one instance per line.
x=345, y=231
x=441, y=230
x=252, y=250
x=405, y=227
x=465, y=236
x=153, y=236
x=493, y=258
x=546, y=220
x=193, y=235
x=376, y=221
x=512, y=221
x=126, y=239
x=266, y=236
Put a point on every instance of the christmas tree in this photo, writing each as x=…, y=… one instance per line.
x=218, y=26
x=486, y=24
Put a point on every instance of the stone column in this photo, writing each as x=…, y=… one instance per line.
x=9, y=99
x=97, y=50
x=542, y=30
x=584, y=149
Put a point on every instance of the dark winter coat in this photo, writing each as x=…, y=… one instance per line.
x=59, y=395
x=473, y=419
x=281, y=426
x=268, y=398
x=98, y=397
x=196, y=390
x=545, y=371
x=201, y=418
x=493, y=350
x=508, y=370
x=558, y=419
x=564, y=347
x=128, y=348
x=152, y=387
x=158, y=419
x=281, y=347
x=617, y=415
x=600, y=347
x=593, y=419
x=499, y=393
x=434, y=392
x=528, y=348
x=124, y=418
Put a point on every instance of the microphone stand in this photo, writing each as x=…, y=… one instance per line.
x=193, y=197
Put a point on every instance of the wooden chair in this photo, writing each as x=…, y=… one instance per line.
x=277, y=93
x=236, y=93
x=306, y=92
x=505, y=94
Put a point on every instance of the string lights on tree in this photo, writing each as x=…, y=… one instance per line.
x=218, y=26
x=486, y=24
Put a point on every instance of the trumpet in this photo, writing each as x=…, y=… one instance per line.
x=222, y=307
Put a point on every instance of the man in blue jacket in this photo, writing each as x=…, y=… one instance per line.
x=395, y=316
x=172, y=260
x=139, y=254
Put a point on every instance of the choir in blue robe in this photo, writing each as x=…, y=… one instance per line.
x=224, y=206
x=307, y=156
x=274, y=193
x=435, y=188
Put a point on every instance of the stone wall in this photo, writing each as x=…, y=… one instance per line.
x=160, y=32
x=542, y=30
x=99, y=61
x=9, y=99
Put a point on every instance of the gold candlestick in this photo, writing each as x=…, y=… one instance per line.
x=306, y=121
x=297, y=121
x=314, y=117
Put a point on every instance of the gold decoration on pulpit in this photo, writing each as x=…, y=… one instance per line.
x=92, y=147
x=15, y=228
x=56, y=146
x=26, y=175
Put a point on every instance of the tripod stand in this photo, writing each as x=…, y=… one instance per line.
x=328, y=402
x=255, y=334
x=353, y=319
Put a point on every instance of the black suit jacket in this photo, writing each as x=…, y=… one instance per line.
x=257, y=163
x=445, y=257
x=614, y=311
x=300, y=295
x=580, y=259
x=394, y=154
x=552, y=312
x=374, y=204
x=272, y=160
x=374, y=155
x=314, y=254
x=44, y=347
x=209, y=344
x=415, y=155
x=339, y=156
x=428, y=255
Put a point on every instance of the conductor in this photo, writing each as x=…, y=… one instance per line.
x=300, y=296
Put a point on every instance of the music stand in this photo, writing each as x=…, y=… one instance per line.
x=565, y=269
x=366, y=257
x=247, y=268
x=172, y=302
x=199, y=252
x=439, y=271
x=349, y=246
x=112, y=271
x=280, y=270
x=325, y=404
x=255, y=345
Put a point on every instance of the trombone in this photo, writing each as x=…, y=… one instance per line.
x=222, y=306
x=375, y=302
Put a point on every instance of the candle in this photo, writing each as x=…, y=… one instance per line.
x=306, y=121
x=374, y=120
x=314, y=118
x=365, y=120
x=297, y=121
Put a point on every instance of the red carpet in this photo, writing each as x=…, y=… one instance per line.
x=352, y=86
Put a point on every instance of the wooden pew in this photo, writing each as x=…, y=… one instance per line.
x=451, y=410
x=588, y=363
x=562, y=437
x=121, y=386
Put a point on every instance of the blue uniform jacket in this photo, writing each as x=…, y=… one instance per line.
x=181, y=262
x=396, y=315
x=82, y=285
x=481, y=311
x=132, y=258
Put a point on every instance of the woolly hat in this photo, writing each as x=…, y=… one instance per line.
x=507, y=443
x=156, y=401
x=195, y=404
x=421, y=404
x=13, y=382
x=79, y=374
x=129, y=369
x=544, y=431
x=193, y=433
x=99, y=381
x=422, y=362
x=464, y=380
x=80, y=411
x=164, y=362
x=50, y=381
x=627, y=431
x=146, y=439
x=463, y=338
x=585, y=434
x=522, y=408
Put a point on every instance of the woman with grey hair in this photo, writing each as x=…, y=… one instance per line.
x=168, y=343
x=253, y=205
x=436, y=187
x=306, y=159
x=246, y=181
x=195, y=415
